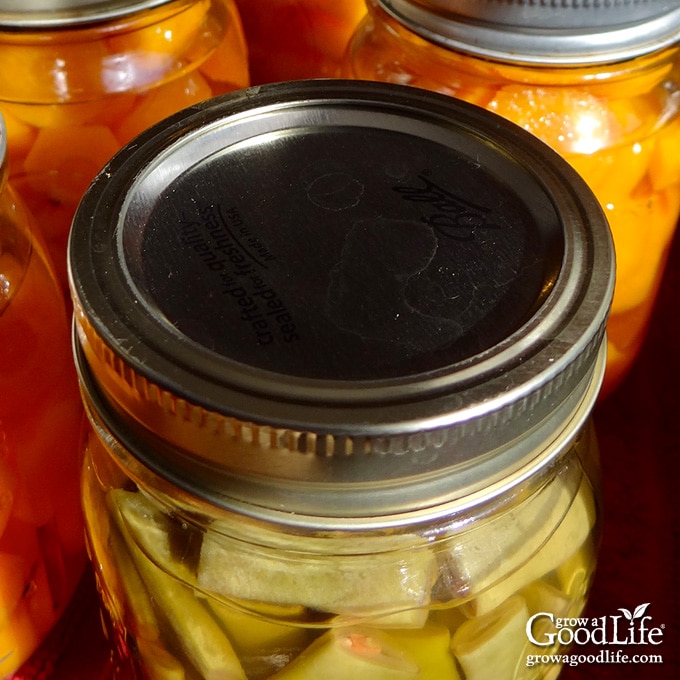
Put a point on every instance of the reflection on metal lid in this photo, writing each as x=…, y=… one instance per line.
x=356, y=282
x=566, y=32
x=39, y=14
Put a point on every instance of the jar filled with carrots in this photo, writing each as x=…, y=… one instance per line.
x=42, y=546
x=80, y=78
x=295, y=39
x=600, y=84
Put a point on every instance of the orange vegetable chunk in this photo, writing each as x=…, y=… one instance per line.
x=18, y=640
x=161, y=102
x=664, y=164
x=54, y=70
x=65, y=160
x=228, y=64
x=569, y=120
x=19, y=558
x=168, y=36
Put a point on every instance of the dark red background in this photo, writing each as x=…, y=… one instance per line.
x=639, y=430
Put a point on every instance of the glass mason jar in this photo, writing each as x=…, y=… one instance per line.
x=80, y=78
x=339, y=343
x=600, y=84
x=295, y=39
x=42, y=546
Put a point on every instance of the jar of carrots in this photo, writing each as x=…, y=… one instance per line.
x=295, y=39
x=80, y=78
x=42, y=547
x=600, y=84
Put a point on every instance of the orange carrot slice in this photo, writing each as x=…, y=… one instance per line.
x=569, y=120
x=228, y=64
x=170, y=33
x=19, y=558
x=18, y=640
x=63, y=161
x=161, y=102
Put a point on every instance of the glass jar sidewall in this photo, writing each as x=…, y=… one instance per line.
x=534, y=549
x=126, y=56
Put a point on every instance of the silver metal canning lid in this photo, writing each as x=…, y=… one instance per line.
x=550, y=32
x=44, y=14
x=341, y=298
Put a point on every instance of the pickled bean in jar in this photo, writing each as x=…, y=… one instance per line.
x=606, y=98
x=251, y=600
x=339, y=427
x=81, y=80
x=42, y=547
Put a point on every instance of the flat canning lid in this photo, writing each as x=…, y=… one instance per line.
x=557, y=32
x=45, y=14
x=339, y=297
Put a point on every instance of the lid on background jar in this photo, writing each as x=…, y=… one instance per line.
x=565, y=32
x=341, y=298
x=36, y=14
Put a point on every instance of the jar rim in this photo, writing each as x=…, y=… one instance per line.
x=329, y=507
x=58, y=14
x=573, y=33
x=488, y=261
